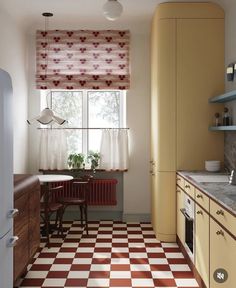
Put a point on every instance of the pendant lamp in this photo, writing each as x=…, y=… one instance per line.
x=47, y=116
x=112, y=9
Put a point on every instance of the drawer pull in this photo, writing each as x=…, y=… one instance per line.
x=187, y=186
x=13, y=241
x=199, y=212
x=13, y=213
x=178, y=191
x=220, y=232
x=178, y=179
x=220, y=212
x=199, y=196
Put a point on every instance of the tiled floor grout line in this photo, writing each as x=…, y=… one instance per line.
x=114, y=254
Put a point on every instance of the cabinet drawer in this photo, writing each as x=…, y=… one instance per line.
x=224, y=217
x=189, y=189
x=180, y=181
x=21, y=254
x=202, y=199
x=21, y=220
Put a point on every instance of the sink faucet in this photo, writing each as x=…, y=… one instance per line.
x=232, y=178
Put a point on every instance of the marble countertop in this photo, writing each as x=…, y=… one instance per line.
x=222, y=192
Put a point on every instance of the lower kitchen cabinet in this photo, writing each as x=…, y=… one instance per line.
x=27, y=222
x=202, y=243
x=180, y=217
x=223, y=256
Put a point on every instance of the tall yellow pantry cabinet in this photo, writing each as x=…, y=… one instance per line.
x=187, y=69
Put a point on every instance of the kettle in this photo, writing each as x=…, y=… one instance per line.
x=232, y=178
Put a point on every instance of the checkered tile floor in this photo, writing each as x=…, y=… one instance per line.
x=114, y=254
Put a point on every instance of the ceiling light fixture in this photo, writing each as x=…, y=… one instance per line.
x=47, y=116
x=112, y=9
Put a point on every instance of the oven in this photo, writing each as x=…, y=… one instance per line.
x=188, y=212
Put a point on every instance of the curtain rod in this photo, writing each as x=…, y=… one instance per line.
x=82, y=128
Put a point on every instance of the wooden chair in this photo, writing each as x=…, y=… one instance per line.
x=78, y=198
x=49, y=207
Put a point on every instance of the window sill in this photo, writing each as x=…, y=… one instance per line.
x=80, y=170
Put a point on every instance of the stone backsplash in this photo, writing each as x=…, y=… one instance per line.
x=230, y=150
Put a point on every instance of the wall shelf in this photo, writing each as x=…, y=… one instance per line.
x=222, y=128
x=226, y=97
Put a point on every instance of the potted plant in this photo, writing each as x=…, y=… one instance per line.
x=93, y=158
x=75, y=160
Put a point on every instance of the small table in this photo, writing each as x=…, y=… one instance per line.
x=46, y=180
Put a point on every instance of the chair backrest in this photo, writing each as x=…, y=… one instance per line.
x=52, y=193
x=80, y=188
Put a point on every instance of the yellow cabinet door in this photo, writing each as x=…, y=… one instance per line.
x=164, y=206
x=202, y=243
x=180, y=217
x=222, y=256
x=200, y=75
x=163, y=99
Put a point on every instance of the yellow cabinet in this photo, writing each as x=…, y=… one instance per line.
x=180, y=217
x=200, y=74
x=187, y=68
x=163, y=101
x=222, y=255
x=202, y=243
x=223, y=216
x=164, y=206
x=202, y=199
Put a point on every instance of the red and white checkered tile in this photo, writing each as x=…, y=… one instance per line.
x=114, y=254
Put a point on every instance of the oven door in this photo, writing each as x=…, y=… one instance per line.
x=189, y=228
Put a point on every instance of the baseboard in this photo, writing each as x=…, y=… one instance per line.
x=145, y=217
x=70, y=215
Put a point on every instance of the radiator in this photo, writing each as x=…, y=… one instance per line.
x=100, y=191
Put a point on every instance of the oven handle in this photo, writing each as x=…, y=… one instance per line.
x=183, y=211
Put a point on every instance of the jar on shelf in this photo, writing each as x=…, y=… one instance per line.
x=226, y=117
x=217, y=121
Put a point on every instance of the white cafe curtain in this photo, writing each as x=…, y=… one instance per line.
x=114, y=149
x=53, y=149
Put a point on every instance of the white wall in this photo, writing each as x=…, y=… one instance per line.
x=136, y=181
x=13, y=60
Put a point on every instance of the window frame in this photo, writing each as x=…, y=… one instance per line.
x=46, y=101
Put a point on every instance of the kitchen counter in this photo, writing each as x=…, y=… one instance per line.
x=220, y=191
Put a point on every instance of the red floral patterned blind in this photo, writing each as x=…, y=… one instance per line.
x=82, y=59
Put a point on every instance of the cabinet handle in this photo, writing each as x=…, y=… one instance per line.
x=13, y=213
x=199, y=212
x=178, y=191
x=178, y=179
x=220, y=232
x=220, y=212
x=13, y=241
x=187, y=186
x=199, y=196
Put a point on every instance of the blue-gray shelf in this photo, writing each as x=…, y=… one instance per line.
x=223, y=128
x=229, y=96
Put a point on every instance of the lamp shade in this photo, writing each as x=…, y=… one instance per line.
x=112, y=9
x=46, y=117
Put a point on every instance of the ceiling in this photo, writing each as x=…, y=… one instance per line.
x=85, y=14
x=29, y=12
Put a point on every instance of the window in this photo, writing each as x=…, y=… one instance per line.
x=87, y=109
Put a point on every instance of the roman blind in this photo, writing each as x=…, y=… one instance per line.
x=82, y=59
